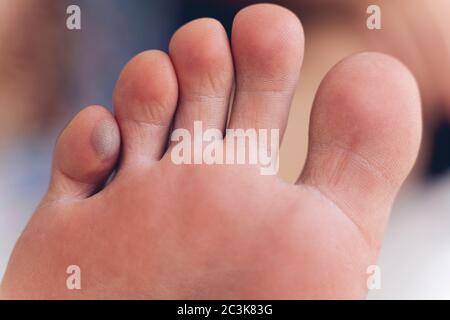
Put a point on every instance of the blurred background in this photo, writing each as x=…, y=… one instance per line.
x=48, y=73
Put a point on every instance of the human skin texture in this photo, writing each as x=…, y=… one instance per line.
x=161, y=230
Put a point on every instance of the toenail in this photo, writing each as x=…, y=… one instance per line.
x=106, y=139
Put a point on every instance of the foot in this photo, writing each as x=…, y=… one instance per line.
x=162, y=230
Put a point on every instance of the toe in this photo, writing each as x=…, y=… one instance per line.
x=85, y=155
x=267, y=42
x=144, y=103
x=202, y=59
x=364, y=138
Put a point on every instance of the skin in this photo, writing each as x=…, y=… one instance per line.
x=160, y=230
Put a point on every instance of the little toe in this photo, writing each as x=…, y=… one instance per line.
x=85, y=155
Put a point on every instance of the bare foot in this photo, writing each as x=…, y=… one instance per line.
x=161, y=230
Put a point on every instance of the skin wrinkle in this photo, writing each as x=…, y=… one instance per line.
x=370, y=165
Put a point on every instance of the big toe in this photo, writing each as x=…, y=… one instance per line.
x=364, y=137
